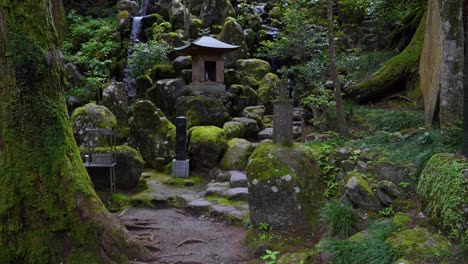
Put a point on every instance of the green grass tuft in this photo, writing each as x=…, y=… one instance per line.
x=339, y=220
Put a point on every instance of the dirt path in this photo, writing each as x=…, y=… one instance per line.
x=182, y=238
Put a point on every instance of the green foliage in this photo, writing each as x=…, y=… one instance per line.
x=339, y=220
x=368, y=248
x=322, y=150
x=444, y=189
x=146, y=55
x=93, y=43
x=386, y=212
x=321, y=103
x=270, y=256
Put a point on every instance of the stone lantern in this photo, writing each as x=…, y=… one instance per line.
x=207, y=63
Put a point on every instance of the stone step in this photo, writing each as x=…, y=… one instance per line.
x=237, y=194
x=216, y=188
x=368, y=23
x=238, y=179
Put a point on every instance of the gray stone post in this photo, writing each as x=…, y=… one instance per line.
x=282, y=115
x=180, y=165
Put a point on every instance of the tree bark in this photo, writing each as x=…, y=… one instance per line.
x=343, y=128
x=49, y=211
x=393, y=76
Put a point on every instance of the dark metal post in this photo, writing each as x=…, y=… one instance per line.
x=181, y=138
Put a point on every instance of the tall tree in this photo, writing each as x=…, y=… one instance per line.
x=464, y=149
x=343, y=128
x=49, y=211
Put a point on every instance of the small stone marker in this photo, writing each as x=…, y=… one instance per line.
x=180, y=165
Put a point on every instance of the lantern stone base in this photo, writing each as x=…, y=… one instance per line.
x=208, y=88
x=180, y=168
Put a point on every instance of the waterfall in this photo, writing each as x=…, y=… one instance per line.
x=129, y=80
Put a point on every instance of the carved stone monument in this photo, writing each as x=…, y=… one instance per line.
x=282, y=115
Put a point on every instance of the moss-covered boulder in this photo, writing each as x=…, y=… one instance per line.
x=254, y=112
x=151, y=133
x=196, y=26
x=164, y=94
x=114, y=97
x=202, y=111
x=181, y=63
x=284, y=186
x=234, y=129
x=163, y=71
x=237, y=153
x=142, y=84
x=420, y=246
x=129, y=6
x=266, y=91
x=233, y=34
x=128, y=168
x=443, y=188
x=359, y=194
x=254, y=68
x=214, y=12
x=206, y=146
x=251, y=128
x=91, y=116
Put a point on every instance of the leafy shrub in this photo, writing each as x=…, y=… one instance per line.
x=146, y=55
x=339, y=220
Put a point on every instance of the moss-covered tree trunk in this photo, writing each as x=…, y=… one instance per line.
x=49, y=211
x=395, y=74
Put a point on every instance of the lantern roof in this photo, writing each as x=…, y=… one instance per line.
x=206, y=45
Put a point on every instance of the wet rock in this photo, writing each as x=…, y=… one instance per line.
x=250, y=126
x=115, y=98
x=266, y=91
x=233, y=34
x=91, y=116
x=234, y=129
x=266, y=133
x=202, y=110
x=207, y=144
x=238, y=179
x=214, y=12
x=181, y=63
x=284, y=186
x=254, y=68
x=358, y=192
x=237, y=154
x=394, y=172
x=165, y=92
x=151, y=133
x=199, y=206
x=254, y=112
x=237, y=194
x=128, y=5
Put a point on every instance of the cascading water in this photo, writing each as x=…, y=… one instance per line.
x=129, y=80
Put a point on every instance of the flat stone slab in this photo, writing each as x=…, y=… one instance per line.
x=266, y=133
x=238, y=179
x=199, y=206
x=237, y=194
x=229, y=213
x=216, y=190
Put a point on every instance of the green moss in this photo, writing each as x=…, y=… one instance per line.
x=362, y=182
x=213, y=135
x=444, y=191
x=255, y=68
x=196, y=22
x=124, y=14
x=233, y=129
x=224, y=201
x=237, y=154
x=401, y=220
x=264, y=165
x=418, y=245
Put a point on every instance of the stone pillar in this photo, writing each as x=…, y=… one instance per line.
x=282, y=115
x=283, y=122
x=180, y=165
